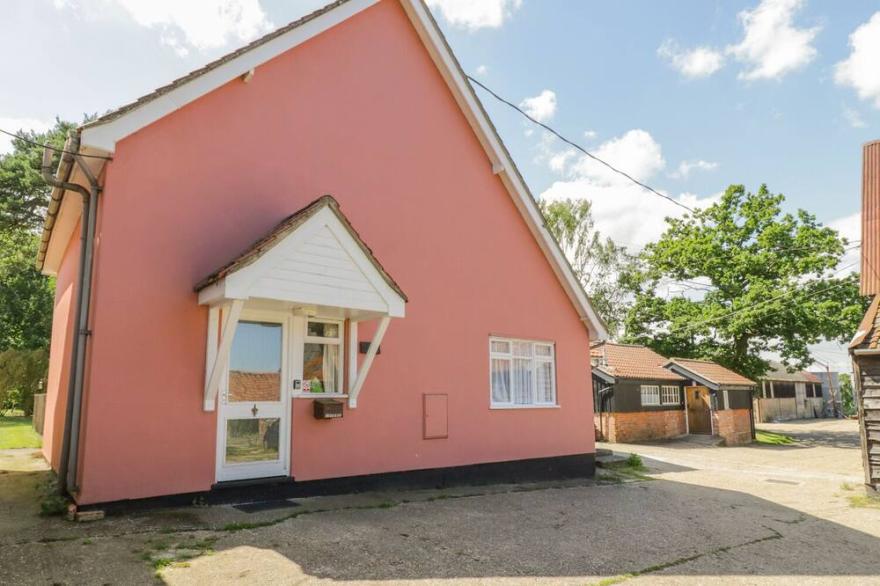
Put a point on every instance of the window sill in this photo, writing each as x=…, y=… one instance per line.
x=319, y=395
x=518, y=407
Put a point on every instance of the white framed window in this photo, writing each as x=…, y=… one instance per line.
x=670, y=395
x=650, y=395
x=322, y=357
x=522, y=373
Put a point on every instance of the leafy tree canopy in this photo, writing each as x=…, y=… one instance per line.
x=26, y=296
x=600, y=265
x=766, y=281
x=23, y=193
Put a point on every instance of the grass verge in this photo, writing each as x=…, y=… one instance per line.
x=17, y=432
x=771, y=438
x=864, y=501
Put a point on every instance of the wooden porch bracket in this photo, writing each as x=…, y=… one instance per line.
x=218, y=355
x=368, y=362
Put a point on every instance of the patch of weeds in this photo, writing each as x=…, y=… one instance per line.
x=53, y=505
x=847, y=486
x=864, y=501
x=87, y=542
x=771, y=438
x=243, y=526
x=51, y=502
x=206, y=543
x=615, y=580
x=163, y=554
x=386, y=505
x=635, y=462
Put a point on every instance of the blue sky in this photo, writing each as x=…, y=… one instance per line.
x=687, y=95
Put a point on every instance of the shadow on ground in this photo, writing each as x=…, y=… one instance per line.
x=576, y=531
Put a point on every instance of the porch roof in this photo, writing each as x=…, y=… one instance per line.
x=710, y=374
x=286, y=227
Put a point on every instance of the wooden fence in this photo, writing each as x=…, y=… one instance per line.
x=39, y=412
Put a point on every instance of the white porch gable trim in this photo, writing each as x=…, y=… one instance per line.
x=314, y=258
x=319, y=263
x=103, y=134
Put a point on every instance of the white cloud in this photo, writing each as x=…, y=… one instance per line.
x=850, y=227
x=475, y=14
x=853, y=118
x=772, y=45
x=482, y=70
x=623, y=211
x=201, y=24
x=692, y=63
x=541, y=107
x=861, y=70
x=636, y=153
x=590, y=134
x=17, y=124
x=685, y=167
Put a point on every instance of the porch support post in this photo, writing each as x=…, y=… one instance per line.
x=368, y=362
x=221, y=359
x=353, y=346
x=211, y=348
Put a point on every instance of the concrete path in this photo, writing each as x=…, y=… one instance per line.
x=752, y=515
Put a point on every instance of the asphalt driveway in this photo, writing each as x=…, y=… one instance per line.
x=760, y=514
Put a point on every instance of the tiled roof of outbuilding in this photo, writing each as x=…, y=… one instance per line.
x=778, y=372
x=631, y=361
x=712, y=372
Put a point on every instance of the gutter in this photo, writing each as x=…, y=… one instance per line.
x=65, y=168
x=866, y=352
x=68, y=464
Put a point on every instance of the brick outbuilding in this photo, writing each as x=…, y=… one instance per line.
x=639, y=395
x=635, y=397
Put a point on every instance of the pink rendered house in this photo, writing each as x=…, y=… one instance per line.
x=228, y=321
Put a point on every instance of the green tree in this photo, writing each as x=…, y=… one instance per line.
x=22, y=373
x=768, y=282
x=600, y=265
x=26, y=296
x=846, y=394
x=23, y=193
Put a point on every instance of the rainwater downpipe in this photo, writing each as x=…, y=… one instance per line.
x=68, y=463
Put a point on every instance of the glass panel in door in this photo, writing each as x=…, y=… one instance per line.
x=252, y=440
x=255, y=363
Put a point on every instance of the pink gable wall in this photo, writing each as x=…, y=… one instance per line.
x=359, y=112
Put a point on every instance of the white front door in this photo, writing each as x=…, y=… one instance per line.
x=253, y=435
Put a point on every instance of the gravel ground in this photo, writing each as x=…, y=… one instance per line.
x=749, y=515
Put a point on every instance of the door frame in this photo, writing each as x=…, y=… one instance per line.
x=256, y=470
x=698, y=390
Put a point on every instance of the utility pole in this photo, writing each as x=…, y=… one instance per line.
x=835, y=406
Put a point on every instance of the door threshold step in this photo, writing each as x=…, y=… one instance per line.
x=271, y=480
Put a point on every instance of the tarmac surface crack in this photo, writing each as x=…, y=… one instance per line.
x=619, y=579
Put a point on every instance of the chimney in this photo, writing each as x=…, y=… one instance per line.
x=871, y=218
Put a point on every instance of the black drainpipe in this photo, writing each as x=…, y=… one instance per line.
x=67, y=467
